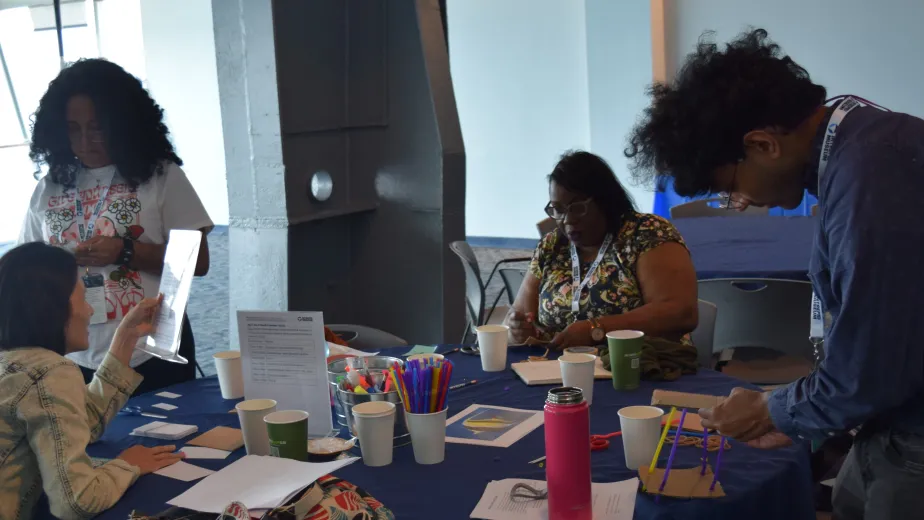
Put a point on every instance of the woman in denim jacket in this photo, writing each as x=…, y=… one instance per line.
x=47, y=414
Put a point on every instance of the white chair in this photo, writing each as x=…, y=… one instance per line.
x=704, y=335
x=761, y=319
x=702, y=208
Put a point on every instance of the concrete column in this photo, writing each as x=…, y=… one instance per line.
x=258, y=223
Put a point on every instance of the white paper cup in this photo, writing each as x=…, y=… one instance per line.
x=577, y=370
x=251, y=414
x=424, y=357
x=428, y=436
x=375, y=427
x=641, y=431
x=492, y=342
x=230, y=374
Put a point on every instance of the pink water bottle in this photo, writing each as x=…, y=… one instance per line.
x=567, y=455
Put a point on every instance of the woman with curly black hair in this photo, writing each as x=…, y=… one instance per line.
x=113, y=192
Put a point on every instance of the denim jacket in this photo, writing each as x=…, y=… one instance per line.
x=47, y=418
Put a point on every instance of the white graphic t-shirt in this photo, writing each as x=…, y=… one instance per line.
x=146, y=214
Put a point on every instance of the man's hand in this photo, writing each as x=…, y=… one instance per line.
x=521, y=326
x=771, y=441
x=576, y=335
x=744, y=415
x=99, y=251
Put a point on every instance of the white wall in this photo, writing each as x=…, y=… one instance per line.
x=619, y=69
x=871, y=49
x=179, y=48
x=519, y=71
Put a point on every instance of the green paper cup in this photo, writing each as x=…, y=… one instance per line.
x=288, y=434
x=625, y=353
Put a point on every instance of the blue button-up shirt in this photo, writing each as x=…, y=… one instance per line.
x=868, y=270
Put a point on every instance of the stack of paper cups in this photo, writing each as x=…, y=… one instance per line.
x=375, y=427
x=251, y=414
x=577, y=370
x=641, y=430
x=428, y=436
x=492, y=342
x=230, y=374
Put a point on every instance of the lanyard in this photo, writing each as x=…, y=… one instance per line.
x=817, y=323
x=85, y=228
x=578, y=287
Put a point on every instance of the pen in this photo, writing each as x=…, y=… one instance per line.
x=463, y=385
x=453, y=351
x=153, y=415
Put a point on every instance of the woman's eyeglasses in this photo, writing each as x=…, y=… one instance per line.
x=728, y=198
x=93, y=136
x=560, y=211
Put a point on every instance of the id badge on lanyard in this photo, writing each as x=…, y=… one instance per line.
x=94, y=283
x=817, y=323
x=577, y=287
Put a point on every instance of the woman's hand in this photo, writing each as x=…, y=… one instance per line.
x=576, y=335
x=139, y=321
x=150, y=460
x=521, y=326
x=99, y=251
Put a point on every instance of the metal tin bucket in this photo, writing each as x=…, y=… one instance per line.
x=347, y=400
x=338, y=368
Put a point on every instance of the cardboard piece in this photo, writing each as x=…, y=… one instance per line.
x=684, y=399
x=681, y=483
x=692, y=422
x=220, y=438
x=549, y=372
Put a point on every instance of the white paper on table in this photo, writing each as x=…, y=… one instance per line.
x=257, y=482
x=200, y=452
x=164, y=406
x=184, y=471
x=283, y=358
x=335, y=349
x=496, y=426
x=168, y=395
x=611, y=501
x=175, y=281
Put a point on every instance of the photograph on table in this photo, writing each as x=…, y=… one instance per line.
x=485, y=425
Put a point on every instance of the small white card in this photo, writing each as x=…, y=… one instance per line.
x=199, y=452
x=164, y=406
x=168, y=395
x=184, y=471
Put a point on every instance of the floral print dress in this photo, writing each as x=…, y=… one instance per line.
x=612, y=289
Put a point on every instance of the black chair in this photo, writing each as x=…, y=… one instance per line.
x=475, y=288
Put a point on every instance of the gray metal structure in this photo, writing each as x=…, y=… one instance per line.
x=371, y=156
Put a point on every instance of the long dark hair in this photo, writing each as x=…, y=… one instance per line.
x=131, y=121
x=588, y=174
x=36, y=283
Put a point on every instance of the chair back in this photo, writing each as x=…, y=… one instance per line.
x=474, y=287
x=513, y=279
x=546, y=226
x=702, y=208
x=756, y=312
x=704, y=335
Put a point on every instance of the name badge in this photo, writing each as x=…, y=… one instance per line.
x=96, y=297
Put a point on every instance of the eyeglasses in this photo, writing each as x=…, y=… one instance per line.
x=94, y=136
x=575, y=209
x=729, y=200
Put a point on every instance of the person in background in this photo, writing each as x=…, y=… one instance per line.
x=47, y=414
x=113, y=192
x=634, y=271
x=748, y=121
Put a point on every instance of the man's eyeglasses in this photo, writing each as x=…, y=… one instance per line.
x=560, y=211
x=729, y=200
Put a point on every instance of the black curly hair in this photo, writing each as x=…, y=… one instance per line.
x=131, y=121
x=696, y=124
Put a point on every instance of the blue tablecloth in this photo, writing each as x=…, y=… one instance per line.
x=759, y=484
x=749, y=247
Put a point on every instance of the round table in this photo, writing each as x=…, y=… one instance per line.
x=758, y=484
x=749, y=246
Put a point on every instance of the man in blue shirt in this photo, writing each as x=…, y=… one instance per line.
x=748, y=121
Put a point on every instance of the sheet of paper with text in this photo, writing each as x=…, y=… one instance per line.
x=284, y=359
x=179, y=269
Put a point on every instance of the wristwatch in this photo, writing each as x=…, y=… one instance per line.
x=597, y=332
x=128, y=252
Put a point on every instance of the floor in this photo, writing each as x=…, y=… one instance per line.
x=208, y=300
